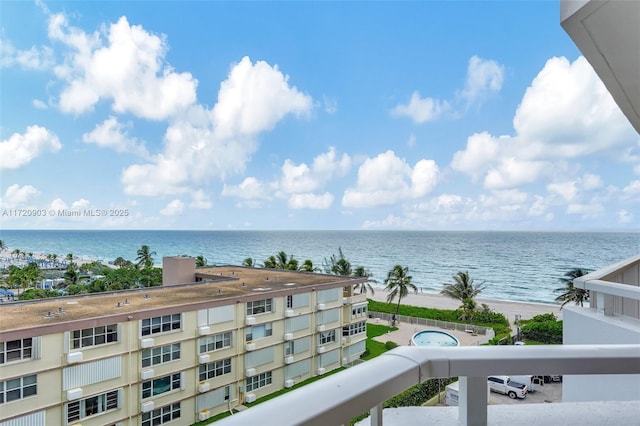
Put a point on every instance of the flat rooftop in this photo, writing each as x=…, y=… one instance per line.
x=226, y=284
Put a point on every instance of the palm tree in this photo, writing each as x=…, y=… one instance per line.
x=16, y=252
x=270, y=262
x=307, y=266
x=469, y=309
x=363, y=287
x=398, y=282
x=249, y=262
x=3, y=246
x=69, y=257
x=201, y=261
x=145, y=257
x=337, y=265
x=569, y=292
x=462, y=287
x=71, y=276
x=120, y=262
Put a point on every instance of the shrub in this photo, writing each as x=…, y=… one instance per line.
x=549, y=332
x=390, y=345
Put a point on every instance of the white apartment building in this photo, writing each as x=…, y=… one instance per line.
x=206, y=341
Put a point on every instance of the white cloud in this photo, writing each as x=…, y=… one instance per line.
x=200, y=200
x=590, y=210
x=484, y=76
x=566, y=190
x=34, y=58
x=113, y=134
x=565, y=114
x=330, y=105
x=37, y=103
x=204, y=144
x=624, y=216
x=249, y=189
x=302, y=178
x=58, y=204
x=591, y=181
x=255, y=97
x=127, y=68
x=633, y=189
x=387, y=179
x=80, y=204
x=310, y=201
x=20, y=149
x=174, y=208
x=16, y=196
x=421, y=110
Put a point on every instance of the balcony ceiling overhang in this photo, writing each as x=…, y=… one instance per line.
x=607, y=32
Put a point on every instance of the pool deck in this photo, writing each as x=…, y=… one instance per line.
x=405, y=332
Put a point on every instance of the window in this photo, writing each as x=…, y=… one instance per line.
x=19, y=388
x=259, y=381
x=326, y=337
x=215, y=342
x=91, y=406
x=161, y=324
x=215, y=369
x=359, y=310
x=163, y=384
x=94, y=336
x=160, y=354
x=259, y=306
x=258, y=332
x=288, y=348
x=15, y=350
x=161, y=415
x=356, y=328
x=290, y=301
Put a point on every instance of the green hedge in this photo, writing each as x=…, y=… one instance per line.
x=549, y=332
x=483, y=317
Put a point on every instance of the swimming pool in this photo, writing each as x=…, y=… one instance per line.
x=434, y=338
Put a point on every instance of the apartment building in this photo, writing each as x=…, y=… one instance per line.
x=206, y=341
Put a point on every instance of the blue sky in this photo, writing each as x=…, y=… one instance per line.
x=307, y=115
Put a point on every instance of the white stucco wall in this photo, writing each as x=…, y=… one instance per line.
x=585, y=326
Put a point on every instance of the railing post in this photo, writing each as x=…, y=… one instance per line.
x=376, y=415
x=472, y=401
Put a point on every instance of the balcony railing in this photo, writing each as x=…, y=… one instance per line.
x=336, y=399
x=614, y=290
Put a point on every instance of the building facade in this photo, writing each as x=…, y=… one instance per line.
x=208, y=340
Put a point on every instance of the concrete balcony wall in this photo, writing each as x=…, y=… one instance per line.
x=586, y=326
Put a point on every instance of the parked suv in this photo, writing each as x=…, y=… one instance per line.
x=505, y=386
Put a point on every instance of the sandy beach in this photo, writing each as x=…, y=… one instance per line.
x=509, y=309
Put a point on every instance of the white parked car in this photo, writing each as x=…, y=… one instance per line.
x=506, y=386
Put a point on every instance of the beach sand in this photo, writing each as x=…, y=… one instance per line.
x=509, y=309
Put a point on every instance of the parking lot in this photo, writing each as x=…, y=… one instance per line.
x=550, y=392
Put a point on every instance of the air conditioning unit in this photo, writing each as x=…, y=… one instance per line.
x=204, y=387
x=288, y=336
x=74, y=357
x=204, y=358
x=250, y=372
x=74, y=394
x=288, y=360
x=146, y=343
x=321, y=328
x=204, y=330
x=288, y=313
x=322, y=306
x=250, y=320
x=145, y=407
x=321, y=349
x=288, y=383
x=345, y=300
x=250, y=346
x=147, y=374
x=321, y=371
x=344, y=340
x=250, y=397
x=204, y=415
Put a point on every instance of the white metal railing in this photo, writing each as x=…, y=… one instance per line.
x=338, y=398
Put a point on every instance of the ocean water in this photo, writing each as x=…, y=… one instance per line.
x=516, y=266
